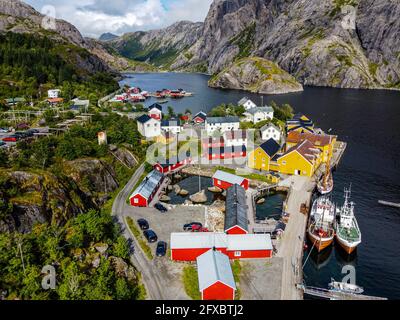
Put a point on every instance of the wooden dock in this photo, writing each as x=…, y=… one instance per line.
x=335, y=295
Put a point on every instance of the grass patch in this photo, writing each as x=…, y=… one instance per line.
x=190, y=282
x=138, y=235
x=237, y=270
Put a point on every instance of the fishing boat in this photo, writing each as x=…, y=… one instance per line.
x=325, y=185
x=348, y=233
x=345, y=287
x=321, y=230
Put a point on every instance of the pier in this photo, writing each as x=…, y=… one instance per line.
x=334, y=295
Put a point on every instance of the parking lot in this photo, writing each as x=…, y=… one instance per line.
x=163, y=224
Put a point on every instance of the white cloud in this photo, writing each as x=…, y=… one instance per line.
x=94, y=17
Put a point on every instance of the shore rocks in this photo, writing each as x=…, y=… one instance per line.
x=215, y=190
x=261, y=201
x=165, y=198
x=199, y=197
x=183, y=193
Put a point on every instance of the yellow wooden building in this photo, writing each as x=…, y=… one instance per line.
x=325, y=143
x=300, y=123
x=261, y=157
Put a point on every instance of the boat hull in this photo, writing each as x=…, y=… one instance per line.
x=320, y=243
x=346, y=246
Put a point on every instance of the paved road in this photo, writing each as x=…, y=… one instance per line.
x=291, y=247
x=151, y=279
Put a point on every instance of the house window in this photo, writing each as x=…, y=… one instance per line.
x=284, y=163
x=238, y=253
x=136, y=201
x=219, y=182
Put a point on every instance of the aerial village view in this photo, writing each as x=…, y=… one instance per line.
x=188, y=163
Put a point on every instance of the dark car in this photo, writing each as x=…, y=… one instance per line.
x=143, y=224
x=161, y=250
x=2, y=143
x=160, y=207
x=150, y=235
x=189, y=226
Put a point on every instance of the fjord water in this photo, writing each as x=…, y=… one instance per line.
x=369, y=121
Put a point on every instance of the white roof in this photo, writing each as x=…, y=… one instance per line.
x=228, y=177
x=191, y=240
x=249, y=242
x=212, y=267
x=198, y=240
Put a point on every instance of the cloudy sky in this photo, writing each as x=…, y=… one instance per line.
x=94, y=17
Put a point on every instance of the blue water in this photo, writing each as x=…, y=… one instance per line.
x=370, y=122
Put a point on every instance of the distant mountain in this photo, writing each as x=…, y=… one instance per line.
x=307, y=39
x=107, y=36
x=160, y=47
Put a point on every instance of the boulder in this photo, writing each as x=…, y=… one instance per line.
x=199, y=197
x=215, y=189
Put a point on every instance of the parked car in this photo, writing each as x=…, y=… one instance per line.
x=143, y=224
x=150, y=235
x=161, y=250
x=3, y=130
x=160, y=207
x=197, y=228
x=12, y=138
x=189, y=226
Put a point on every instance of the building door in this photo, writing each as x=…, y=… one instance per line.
x=297, y=172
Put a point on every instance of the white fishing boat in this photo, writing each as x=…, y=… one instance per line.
x=348, y=233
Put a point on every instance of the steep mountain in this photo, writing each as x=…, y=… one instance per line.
x=160, y=47
x=18, y=17
x=107, y=37
x=335, y=43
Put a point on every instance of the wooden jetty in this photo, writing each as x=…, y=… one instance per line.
x=334, y=295
x=389, y=204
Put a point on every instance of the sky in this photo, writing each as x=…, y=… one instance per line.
x=95, y=17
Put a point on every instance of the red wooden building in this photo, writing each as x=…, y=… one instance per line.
x=171, y=165
x=155, y=111
x=231, y=152
x=189, y=246
x=146, y=191
x=225, y=180
x=216, y=281
x=200, y=117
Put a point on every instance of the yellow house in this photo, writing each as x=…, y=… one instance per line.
x=325, y=143
x=301, y=160
x=261, y=157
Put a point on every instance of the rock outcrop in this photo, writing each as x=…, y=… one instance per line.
x=256, y=75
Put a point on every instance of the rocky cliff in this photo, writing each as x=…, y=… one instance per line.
x=335, y=43
x=28, y=197
x=257, y=75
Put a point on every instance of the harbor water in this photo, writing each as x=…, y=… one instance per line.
x=369, y=121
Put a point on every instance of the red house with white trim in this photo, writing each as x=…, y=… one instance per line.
x=231, y=152
x=216, y=281
x=171, y=165
x=200, y=117
x=225, y=180
x=189, y=246
x=145, y=192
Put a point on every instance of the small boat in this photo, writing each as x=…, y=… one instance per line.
x=345, y=287
x=325, y=185
x=321, y=230
x=162, y=101
x=348, y=233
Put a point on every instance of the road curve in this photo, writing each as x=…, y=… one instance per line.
x=151, y=279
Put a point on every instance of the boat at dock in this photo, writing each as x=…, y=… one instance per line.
x=348, y=233
x=325, y=185
x=321, y=230
x=345, y=287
